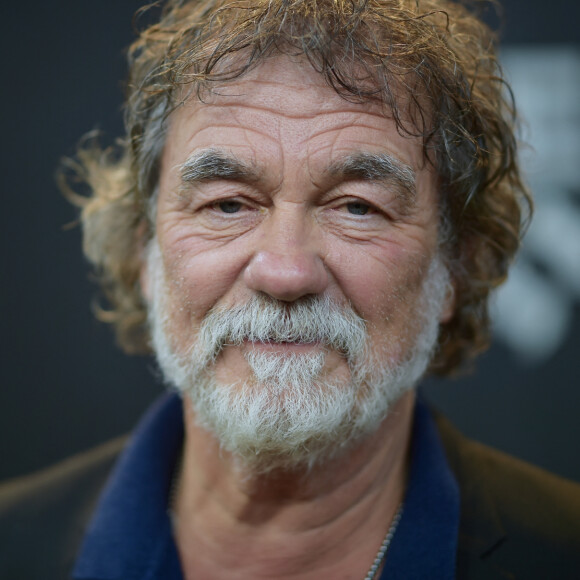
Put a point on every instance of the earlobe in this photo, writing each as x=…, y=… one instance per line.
x=448, y=309
x=144, y=278
x=143, y=245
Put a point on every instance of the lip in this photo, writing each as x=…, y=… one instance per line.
x=283, y=346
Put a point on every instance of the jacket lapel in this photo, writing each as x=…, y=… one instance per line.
x=481, y=532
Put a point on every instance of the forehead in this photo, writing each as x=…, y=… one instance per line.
x=284, y=109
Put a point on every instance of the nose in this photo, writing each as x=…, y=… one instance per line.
x=287, y=265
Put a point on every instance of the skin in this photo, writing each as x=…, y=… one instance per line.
x=292, y=228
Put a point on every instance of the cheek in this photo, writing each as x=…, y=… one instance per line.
x=382, y=282
x=200, y=277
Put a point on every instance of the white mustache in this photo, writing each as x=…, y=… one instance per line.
x=313, y=319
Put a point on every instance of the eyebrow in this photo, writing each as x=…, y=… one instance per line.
x=210, y=164
x=377, y=167
x=215, y=164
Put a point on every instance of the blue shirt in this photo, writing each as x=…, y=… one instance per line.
x=130, y=535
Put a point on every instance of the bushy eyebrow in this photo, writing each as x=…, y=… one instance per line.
x=215, y=164
x=210, y=164
x=377, y=167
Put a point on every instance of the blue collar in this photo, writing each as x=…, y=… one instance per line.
x=425, y=543
x=130, y=536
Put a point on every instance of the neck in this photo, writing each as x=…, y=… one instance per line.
x=324, y=522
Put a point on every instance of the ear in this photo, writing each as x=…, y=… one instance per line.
x=448, y=304
x=144, y=281
x=142, y=235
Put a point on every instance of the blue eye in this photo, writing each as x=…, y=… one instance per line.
x=229, y=206
x=357, y=208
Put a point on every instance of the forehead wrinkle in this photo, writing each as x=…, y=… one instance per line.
x=289, y=96
x=290, y=107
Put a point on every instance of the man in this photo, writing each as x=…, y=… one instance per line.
x=310, y=209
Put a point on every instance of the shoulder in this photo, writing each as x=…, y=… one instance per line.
x=43, y=515
x=517, y=520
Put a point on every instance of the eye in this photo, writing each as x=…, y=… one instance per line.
x=357, y=208
x=229, y=206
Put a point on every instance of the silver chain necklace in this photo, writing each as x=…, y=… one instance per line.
x=380, y=557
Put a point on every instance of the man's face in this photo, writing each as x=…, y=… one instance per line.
x=275, y=186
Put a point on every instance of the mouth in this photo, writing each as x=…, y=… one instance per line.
x=283, y=346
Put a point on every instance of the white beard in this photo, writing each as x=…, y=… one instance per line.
x=289, y=415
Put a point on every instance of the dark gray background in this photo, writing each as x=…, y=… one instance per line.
x=64, y=385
